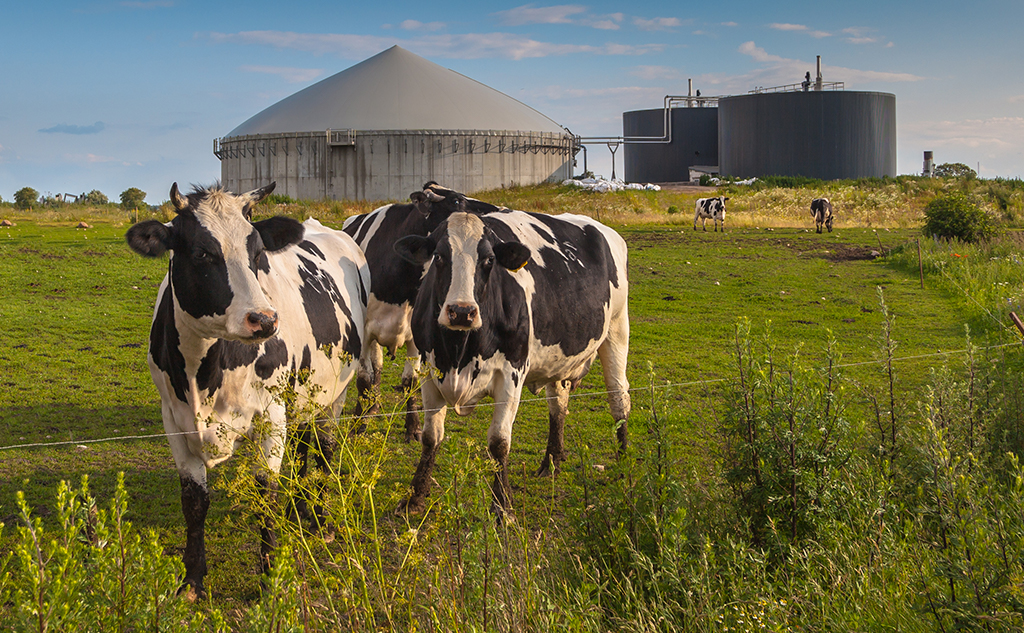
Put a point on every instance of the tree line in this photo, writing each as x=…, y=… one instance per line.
x=132, y=198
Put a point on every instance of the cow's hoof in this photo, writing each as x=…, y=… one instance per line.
x=548, y=467
x=412, y=505
x=413, y=436
x=192, y=590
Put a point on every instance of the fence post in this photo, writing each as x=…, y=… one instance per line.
x=920, y=263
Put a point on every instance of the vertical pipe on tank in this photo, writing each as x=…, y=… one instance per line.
x=817, y=82
x=689, y=93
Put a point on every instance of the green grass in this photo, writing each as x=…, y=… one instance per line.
x=76, y=308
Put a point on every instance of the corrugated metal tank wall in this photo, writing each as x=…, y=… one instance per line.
x=390, y=165
x=694, y=142
x=830, y=135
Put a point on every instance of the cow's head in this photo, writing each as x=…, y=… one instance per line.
x=437, y=203
x=463, y=253
x=215, y=254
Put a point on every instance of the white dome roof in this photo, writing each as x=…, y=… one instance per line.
x=397, y=90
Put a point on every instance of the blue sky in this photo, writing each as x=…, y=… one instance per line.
x=112, y=94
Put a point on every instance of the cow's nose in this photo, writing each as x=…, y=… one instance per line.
x=460, y=314
x=262, y=324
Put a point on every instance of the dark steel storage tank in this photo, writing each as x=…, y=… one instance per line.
x=694, y=142
x=831, y=135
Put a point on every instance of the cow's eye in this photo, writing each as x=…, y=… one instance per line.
x=489, y=261
x=438, y=259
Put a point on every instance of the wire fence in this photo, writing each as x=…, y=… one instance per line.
x=587, y=394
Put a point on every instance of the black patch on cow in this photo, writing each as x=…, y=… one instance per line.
x=573, y=289
x=274, y=356
x=312, y=249
x=199, y=274
x=307, y=358
x=545, y=235
x=164, y=346
x=321, y=296
x=223, y=356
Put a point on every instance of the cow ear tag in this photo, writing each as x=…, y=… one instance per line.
x=521, y=267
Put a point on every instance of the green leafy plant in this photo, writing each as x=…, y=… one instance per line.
x=25, y=198
x=955, y=216
x=954, y=170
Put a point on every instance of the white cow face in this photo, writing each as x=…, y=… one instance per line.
x=215, y=255
x=463, y=253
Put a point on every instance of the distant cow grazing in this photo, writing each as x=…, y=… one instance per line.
x=821, y=211
x=394, y=282
x=245, y=304
x=513, y=299
x=713, y=208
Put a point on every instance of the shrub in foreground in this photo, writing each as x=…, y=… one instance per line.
x=955, y=216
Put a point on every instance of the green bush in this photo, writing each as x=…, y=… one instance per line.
x=954, y=170
x=133, y=198
x=25, y=198
x=956, y=216
x=94, y=197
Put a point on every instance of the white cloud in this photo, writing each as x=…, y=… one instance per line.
x=605, y=25
x=465, y=46
x=759, y=54
x=782, y=71
x=290, y=75
x=656, y=73
x=729, y=24
x=416, y=25
x=859, y=35
x=657, y=24
x=995, y=133
x=532, y=14
x=1016, y=99
x=995, y=141
x=782, y=26
x=153, y=4
x=559, y=14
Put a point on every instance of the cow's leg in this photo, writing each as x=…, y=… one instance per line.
x=506, y=396
x=613, y=353
x=195, y=501
x=434, y=410
x=412, y=368
x=558, y=405
x=272, y=446
x=371, y=360
x=310, y=435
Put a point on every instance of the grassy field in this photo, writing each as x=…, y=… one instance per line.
x=76, y=307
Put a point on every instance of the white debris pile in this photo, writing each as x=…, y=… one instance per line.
x=718, y=181
x=601, y=185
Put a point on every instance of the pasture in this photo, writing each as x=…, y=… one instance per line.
x=76, y=307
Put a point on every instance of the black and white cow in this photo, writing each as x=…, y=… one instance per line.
x=821, y=211
x=514, y=299
x=245, y=306
x=713, y=208
x=394, y=282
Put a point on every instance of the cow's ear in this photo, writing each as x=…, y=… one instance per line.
x=511, y=255
x=415, y=249
x=254, y=197
x=419, y=202
x=279, y=232
x=151, y=238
